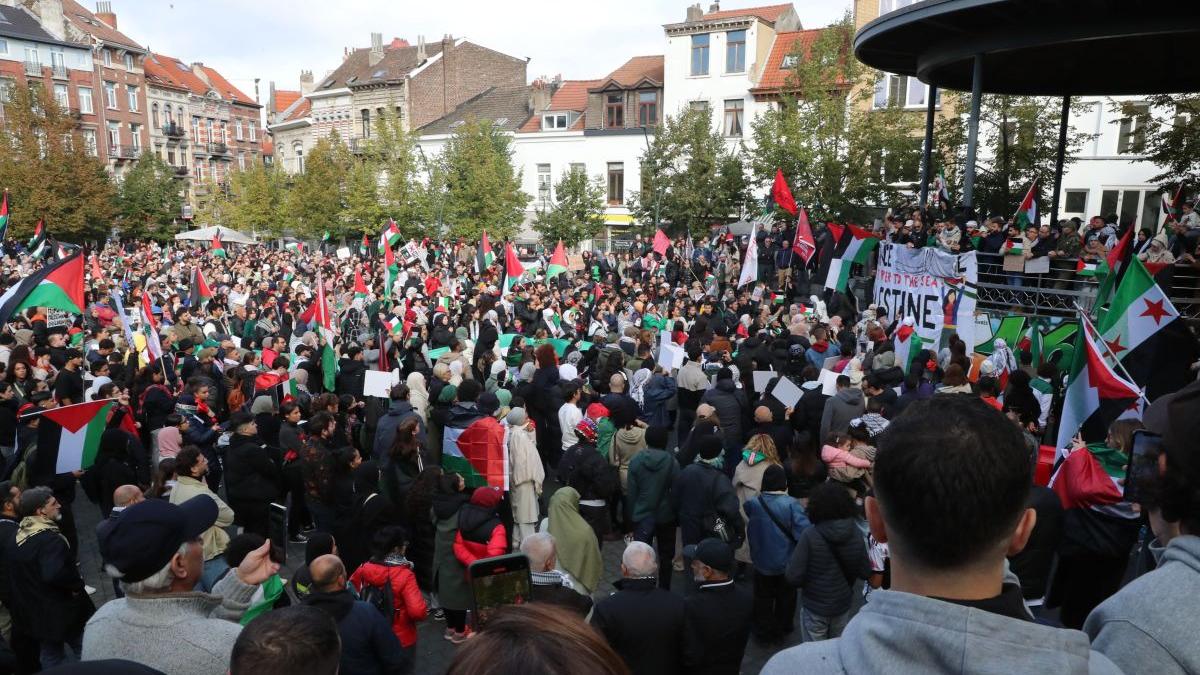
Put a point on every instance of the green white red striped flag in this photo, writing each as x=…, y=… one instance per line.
x=390, y=237
x=1091, y=381
x=1139, y=309
x=69, y=436
x=1027, y=211
x=558, y=262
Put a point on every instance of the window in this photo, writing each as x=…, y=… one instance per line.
x=237, y=130
x=58, y=63
x=253, y=130
x=555, y=121
x=614, y=111
x=114, y=137
x=616, y=183
x=242, y=161
x=6, y=88
x=366, y=122
x=135, y=134
x=902, y=91
x=62, y=96
x=208, y=127
x=195, y=129
x=699, y=55
x=886, y=6
x=915, y=95
x=699, y=105
x=85, y=100
x=1076, y=201
x=89, y=141
x=110, y=95
x=154, y=115
x=3, y=46
x=128, y=61
x=578, y=167
x=171, y=156
x=1131, y=139
x=107, y=54
x=299, y=150
x=199, y=172
x=31, y=56
x=734, y=111
x=735, y=51
x=647, y=108
x=543, y=184
x=225, y=133
x=790, y=61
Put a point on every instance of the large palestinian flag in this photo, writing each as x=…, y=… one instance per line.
x=69, y=437
x=478, y=452
x=199, y=290
x=558, y=262
x=854, y=247
x=513, y=269
x=1027, y=211
x=391, y=269
x=37, y=245
x=57, y=284
x=484, y=257
x=1096, y=395
x=4, y=216
x=390, y=237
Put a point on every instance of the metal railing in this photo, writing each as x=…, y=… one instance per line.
x=33, y=68
x=58, y=70
x=124, y=151
x=173, y=130
x=181, y=171
x=217, y=148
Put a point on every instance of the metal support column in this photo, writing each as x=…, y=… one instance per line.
x=973, y=132
x=1058, y=158
x=927, y=152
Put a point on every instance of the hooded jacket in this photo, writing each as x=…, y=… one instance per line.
x=770, y=547
x=385, y=429
x=1148, y=626
x=827, y=560
x=368, y=644
x=842, y=407
x=480, y=532
x=407, y=600
x=250, y=473
x=819, y=351
x=732, y=408
x=352, y=373
x=651, y=474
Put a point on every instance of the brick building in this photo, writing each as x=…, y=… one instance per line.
x=170, y=110
x=29, y=54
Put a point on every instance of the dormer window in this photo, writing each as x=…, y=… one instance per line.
x=790, y=61
x=557, y=120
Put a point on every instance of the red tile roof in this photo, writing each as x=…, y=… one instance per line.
x=84, y=20
x=169, y=68
x=224, y=88
x=268, y=145
x=637, y=69
x=301, y=110
x=162, y=73
x=770, y=14
x=571, y=95
x=774, y=74
x=284, y=98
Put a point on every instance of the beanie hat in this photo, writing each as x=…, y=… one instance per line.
x=586, y=429
x=774, y=480
x=516, y=417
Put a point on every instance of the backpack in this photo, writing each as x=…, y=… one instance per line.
x=381, y=598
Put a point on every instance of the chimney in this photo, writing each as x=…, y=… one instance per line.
x=447, y=44
x=306, y=82
x=421, y=57
x=198, y=71
x=715, y=7
x=49, y=15
x=104, y=13
x=539, y=95
x=376, y=54
x=694, y=13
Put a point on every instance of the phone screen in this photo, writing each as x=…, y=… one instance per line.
x=277, y=529
x=1143, y=465
x=499, y=581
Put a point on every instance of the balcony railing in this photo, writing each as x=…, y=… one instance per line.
x=59, y=71
x=173, y=130
x=181, y=172
x=200, y=189
x=124, y=151
x=33, y=68
x=358, y=145
x=217, y=149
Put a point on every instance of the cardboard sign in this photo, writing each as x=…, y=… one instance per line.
x=671, y=355
x=828, y=380
x=343, y=253
x=379, y=383
x=787, y=393
x=762, y=378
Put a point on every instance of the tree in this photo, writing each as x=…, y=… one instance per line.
x=316, y=201
x=1018, y=141
x=483, y=190
x=392, y=155
x=1171, y=127
x=149, y=201
x=364, y=210
x=841, y=158
x=258, y=195
x=214, y=205
x=578, y=212
x=690, y=177
x=44, y=162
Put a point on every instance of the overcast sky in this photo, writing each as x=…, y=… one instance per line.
x=276, y=39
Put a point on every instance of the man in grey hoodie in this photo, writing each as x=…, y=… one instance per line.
x=842, y=407
x=951, y=481
x=1150, y=625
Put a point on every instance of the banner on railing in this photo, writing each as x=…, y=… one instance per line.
x=937, y=289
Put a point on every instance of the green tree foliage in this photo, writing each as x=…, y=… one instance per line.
x=1018, y=141
x=316, y=201
x=256, y=200
x=364, y=208
x=577, y=212
x=841, y=159
x=483, y=190
x=49, y=174
x=391, y=154
x=691, y=178
x=214, y=204
x=149, y=200
x=1171, y=128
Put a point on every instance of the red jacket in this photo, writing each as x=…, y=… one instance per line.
x=406, y=597
x=468, y=551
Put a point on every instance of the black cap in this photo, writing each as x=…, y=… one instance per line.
x=488, y=403
x=712, y=552
x=73, y=353
x=185, y=344
x=149, y=533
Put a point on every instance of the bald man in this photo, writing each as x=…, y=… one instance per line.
x=549, y=584
x=368, y=644
x=622, y=409
x=124, y=497
x=640, y=619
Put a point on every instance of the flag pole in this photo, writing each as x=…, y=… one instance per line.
x=1107, y=350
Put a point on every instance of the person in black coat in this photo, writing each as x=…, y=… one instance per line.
x=716, y=618
x=352, y=373
x=252, y=479
x=543, y=403
x=368, y=643
x=585, y=469
x=111, y=470
x=702, y=493
x=642, y=622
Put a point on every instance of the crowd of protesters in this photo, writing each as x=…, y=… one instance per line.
x=889, y=525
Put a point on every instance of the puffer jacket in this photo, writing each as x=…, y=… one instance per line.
x=385, y=430
x=828, y=558
x=480, y=534
x=659, y=390
x=251, y=475
x=407, y=600
x=840, y=409
x=732, y=409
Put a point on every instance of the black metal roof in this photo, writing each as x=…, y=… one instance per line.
x=1041, y=47
x=17, y=23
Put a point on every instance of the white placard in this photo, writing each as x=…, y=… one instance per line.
x=343, y=253
x=828, y=380
x=1040, y=265
x=378, y=383
x=237, y=341
x=787, y=393
x=831, y=362
x=762, y=378
x=671, y=355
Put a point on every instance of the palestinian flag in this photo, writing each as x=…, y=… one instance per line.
x=57, y=284
x=908, y=345
x=558, y=262
x=281, y=388
x=37, y=243
x=264, y=599
x=326, y=238
x=393, y=325
x=1088, y=268
x=1170, y=210
x=804, y=245
x=69, y=437
x=199, y=290
x=513, y=269
x=154, y=350
x=781, y=194
x=97, y=273
x=749, y=273
x=324, y=323
x=4, y=216
x=390, y=237
x=1139, y=309
x=360, y=287
x=1117, y=261
x=661, y=242
x=856, y=246
x=1091, y=385
x=1090, y=478
x=1013, y=247
x=218, y=250
x=392, y=269
x=1027, y=211
x=295, y=247
x=712, y=285
x=484, y=257
x=364, y=246
x=478, y=452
